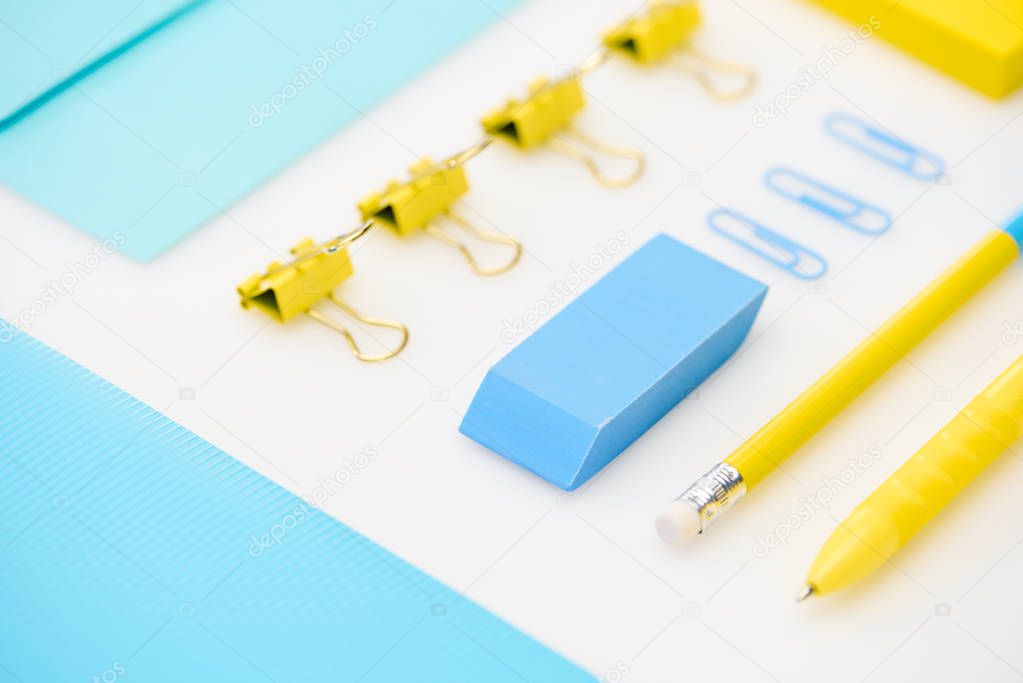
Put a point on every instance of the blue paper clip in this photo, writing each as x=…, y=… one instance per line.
x=774, y=247
x=851, y=212
x=884, y=147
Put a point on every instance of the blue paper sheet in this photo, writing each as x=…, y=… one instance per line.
x=163, y=133
x=131, y=549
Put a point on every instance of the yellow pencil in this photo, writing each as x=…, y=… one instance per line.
x=922, y=487
x=717, y=490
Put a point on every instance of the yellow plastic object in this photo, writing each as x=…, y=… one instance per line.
x=287, y=290
x=977, y=42
x=416, y=205
x=549, y=108
x=815, y=407
x=923, y=486
x=411, y=206
x=664, y=33
x=650, y=37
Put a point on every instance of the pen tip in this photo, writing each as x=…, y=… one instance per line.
x=804, y=592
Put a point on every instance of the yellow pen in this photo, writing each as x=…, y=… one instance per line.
x=716, y=491
x=926, y=483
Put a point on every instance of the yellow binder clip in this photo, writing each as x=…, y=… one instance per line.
x=545, y=117
x=664, y=32
x=290, y=289
x=414, y=205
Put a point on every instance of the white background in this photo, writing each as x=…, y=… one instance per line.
x=585, y=573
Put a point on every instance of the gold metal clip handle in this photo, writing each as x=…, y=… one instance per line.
x=329, y=247
x=366, y=320
x=470, y=152
x=483, y=235
x=574, y=144
x=707, y=70
x=594, y=61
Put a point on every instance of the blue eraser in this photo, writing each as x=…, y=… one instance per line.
x=574, y=394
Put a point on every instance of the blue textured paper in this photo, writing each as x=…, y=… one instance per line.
x=46, y=45
x=131, y=549
x=595, y=377
x=166, y=135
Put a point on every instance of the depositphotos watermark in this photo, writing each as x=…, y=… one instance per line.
x=812, y=504
x=616, y=673
x=111, y=674
x=75, y=273
x=813, y=73
x=307, y=74
x=1012, y=332
x=326, y=487
x=561, y=290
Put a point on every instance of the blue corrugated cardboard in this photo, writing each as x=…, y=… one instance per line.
x=131, y=549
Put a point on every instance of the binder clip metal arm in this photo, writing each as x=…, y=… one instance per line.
x=416, y=205
x=546, y=116
x=664, y=33
x=287, y=290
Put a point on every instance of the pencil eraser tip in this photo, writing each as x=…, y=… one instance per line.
x=678, y=523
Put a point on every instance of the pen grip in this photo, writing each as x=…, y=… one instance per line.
x=953, y=458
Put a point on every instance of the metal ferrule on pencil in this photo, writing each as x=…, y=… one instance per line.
x=714, y=492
